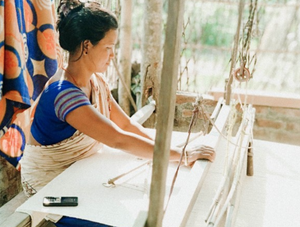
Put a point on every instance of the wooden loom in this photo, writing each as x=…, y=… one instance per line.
x=155, y=216
x=182, y=203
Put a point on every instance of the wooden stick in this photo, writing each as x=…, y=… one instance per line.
x=213, y=210
x=234, y=52
x=233, y=205
x=220, y=194
x=166, y=111
x=111, y=182
x=247, y=125
x=217, y=109
x=124, y=84
x=250, y=160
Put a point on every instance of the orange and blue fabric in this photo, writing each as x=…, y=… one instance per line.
x=28, y=58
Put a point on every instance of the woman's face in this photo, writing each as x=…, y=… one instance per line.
x=101, y=54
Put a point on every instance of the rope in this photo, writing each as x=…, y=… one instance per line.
x=245, y=128
x=234, y=52
x=219, y=131
x=214, y=208
x=184, y=153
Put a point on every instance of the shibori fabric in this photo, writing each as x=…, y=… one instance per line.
x=40, y=164
x=29, y=54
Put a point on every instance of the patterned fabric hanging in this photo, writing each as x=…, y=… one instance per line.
x=28, y=58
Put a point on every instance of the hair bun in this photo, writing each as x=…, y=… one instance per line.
x=66, y=6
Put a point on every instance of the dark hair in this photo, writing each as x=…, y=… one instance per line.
x=78, y=21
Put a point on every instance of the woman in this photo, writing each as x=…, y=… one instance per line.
x=76, y=113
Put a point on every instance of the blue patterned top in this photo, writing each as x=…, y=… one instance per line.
x=57, y=100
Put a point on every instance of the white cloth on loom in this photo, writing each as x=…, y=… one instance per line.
x=40, y=164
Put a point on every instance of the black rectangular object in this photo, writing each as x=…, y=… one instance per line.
x=60, y=201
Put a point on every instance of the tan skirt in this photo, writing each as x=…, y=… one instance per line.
x=40, y=164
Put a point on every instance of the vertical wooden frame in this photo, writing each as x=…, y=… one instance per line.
x=166, y=110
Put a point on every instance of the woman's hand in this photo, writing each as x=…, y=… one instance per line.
x=200, y=152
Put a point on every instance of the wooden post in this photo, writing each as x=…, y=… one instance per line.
x=166, y=110
x=125, y=55
x=234, y=52
x=151, y=50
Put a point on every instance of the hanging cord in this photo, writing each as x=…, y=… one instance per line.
x=220, y=195
x=184, y=152
x=221, y=190
x=248, y=120
x=243, y=73
x=219, y=131
x=245, y=56
x=213, y=215
x=227, y=168
x=234, y=52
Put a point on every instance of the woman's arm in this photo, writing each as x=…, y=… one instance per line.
x=89, y=121
x=120, y=118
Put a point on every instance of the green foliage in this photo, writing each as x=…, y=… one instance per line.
x=216, y=31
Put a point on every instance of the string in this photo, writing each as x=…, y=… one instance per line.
x=220, y=131
x=184, y=153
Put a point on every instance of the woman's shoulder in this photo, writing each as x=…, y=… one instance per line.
x=59, y=86
x=57, y=89
x=57, y=83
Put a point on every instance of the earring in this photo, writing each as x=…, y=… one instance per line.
x=86, y=49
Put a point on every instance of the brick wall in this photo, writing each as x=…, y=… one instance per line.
x=278, y=124
x=10, y=181
x=184, y=112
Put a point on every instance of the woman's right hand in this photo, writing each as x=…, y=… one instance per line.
x=200, y=152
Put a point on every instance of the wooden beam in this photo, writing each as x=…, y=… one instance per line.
x=166, y=110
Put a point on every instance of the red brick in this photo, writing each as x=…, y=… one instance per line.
x=293, y=126
x=286, y=112
x=290, y=138
x=261, y=110
x=185, y=98
x=187, y=113
x=260, y=133
x=269, y=123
